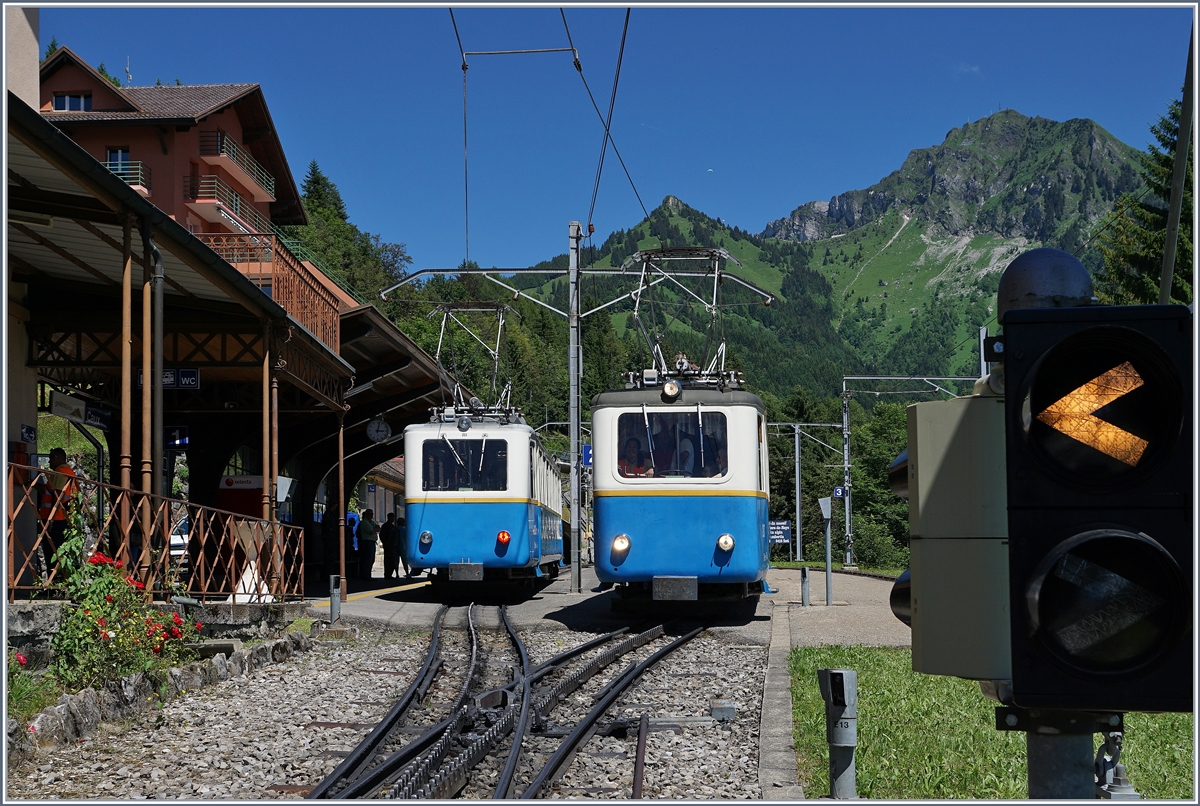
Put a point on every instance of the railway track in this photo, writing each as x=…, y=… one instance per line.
x=480, y=720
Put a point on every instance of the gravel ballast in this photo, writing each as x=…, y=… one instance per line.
x=275, y=731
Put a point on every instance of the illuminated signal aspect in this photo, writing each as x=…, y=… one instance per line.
x=1074, y=416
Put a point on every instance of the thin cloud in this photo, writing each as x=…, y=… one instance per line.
x=967, y=68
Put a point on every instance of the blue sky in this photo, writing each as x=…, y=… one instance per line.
x=784, y=105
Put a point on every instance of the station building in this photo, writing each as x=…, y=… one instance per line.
x=146, y=240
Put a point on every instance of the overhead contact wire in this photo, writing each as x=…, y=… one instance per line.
x=599, y=114
x=612, y=102
x=466, y=199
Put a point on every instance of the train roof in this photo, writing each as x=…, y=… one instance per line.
x=689, y=396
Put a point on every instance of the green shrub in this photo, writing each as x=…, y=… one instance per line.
x=874, y=546
x=108, y=631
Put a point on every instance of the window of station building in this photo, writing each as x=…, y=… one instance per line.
x=477, y=465
x=72, y=102
x=677, y=444
x=118, y=154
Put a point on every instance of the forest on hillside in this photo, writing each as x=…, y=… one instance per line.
x=793, y=338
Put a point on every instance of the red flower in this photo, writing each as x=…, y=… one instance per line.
x=117, y=563
x=135, y=583
x=21, y=659
x=175, y=617
x=103, y=635
x=102, y=621
x=175, y=633
x=108, y=598
x=199, y=626
x=157, y=648
x=150, y=632
x=99, y=559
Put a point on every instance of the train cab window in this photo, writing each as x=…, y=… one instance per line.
x=477, y=465
x=677, y=444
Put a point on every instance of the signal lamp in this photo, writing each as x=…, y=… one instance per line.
x=503, y=536
x=725, y=542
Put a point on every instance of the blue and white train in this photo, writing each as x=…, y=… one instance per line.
x=483, y=498
x=680, y=488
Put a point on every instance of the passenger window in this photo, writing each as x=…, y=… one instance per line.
x=676, y=444
x=465, y=464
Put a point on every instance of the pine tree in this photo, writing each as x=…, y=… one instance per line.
x=51, y=48
x=116, y=82
x=1134, y=239
x=320, y=193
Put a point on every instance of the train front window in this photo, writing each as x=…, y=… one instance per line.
x=678, y=444
x=477, y=465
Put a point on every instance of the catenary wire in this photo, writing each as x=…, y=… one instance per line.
x=612, y=102
x=599, y=114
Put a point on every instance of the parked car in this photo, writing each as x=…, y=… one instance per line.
x=180, y=534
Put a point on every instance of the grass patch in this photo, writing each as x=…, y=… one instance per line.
x=300, y=625
x=29, y=693
x=929, y=737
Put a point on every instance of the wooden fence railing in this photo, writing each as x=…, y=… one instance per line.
x=173, y=547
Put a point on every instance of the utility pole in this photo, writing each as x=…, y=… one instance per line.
x=846, y=470
x=576, y=235
x=799, y=541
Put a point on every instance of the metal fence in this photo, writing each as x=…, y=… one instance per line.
x=175, y=548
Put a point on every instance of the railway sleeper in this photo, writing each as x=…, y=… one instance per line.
x=549, y=697
x=619, y=727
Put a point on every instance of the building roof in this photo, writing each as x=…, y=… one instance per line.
x=189, y=105
x=189, y=102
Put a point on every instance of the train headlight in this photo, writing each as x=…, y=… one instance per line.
x=725, y=542
x=621, y=543
x=670, y=391
x=426, y=538
x=503, y=537
x=464, y=424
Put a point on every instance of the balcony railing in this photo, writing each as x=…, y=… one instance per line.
x=133, y=173
x=172, y=547
x=220, y=143
x=243, y=214
x=214, y=190
x=270, y=264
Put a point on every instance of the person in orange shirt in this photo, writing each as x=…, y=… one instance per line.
x=633, y=463
x=58, y=493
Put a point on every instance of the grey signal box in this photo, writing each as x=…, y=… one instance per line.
x=958, y=524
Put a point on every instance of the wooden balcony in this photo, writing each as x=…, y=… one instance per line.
x=266, y=260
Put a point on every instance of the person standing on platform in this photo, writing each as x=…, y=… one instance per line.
x=368, y=536
x=56, y=500
x=389, y=535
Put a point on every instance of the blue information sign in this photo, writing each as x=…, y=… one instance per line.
x=780, y=532
x=839, y=492
x=587, y=455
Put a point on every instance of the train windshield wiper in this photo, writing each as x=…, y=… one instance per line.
x=456, y=456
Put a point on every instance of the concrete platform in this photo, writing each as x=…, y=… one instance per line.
x=859, y=614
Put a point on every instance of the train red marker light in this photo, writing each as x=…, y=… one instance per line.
x=503, y=536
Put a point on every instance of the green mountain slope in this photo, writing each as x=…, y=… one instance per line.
x=893, y=279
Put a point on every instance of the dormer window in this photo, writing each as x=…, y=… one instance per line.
x=73, y=102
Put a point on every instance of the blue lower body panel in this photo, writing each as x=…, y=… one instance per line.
x=676, y=535
x=467, y=533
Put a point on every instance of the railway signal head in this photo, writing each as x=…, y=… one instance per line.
x=1098, y=421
